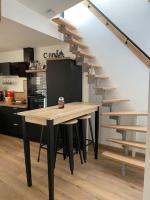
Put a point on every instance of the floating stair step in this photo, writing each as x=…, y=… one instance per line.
x=80, y=53
x=105, y=88
x=113, y=101
x=66, y=31
x=141, y=129
x=125, y=113
x=139, y=145
x=90, y=65
x=101, y=77
x=74, y=42
x=64, y=22
x=97, y=76
x=124, y=159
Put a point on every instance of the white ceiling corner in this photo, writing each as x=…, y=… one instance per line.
x=49, y=8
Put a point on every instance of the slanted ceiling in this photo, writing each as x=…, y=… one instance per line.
x=15, y=36
x=49, y=8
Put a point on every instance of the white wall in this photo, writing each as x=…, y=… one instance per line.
x=131, y=16
x=50, y=49
x=17, y=12
x=126, y=71
x=17, y=56
x=11, y=56
x=147, y=160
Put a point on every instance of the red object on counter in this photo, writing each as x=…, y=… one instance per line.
x=10, y=94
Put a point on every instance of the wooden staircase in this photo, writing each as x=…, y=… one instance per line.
x=77, y=47
x=84, y=59
x=126, y=144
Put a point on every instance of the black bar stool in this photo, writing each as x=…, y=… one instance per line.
x=84, y=120
x=70, y=130
x=43, y=144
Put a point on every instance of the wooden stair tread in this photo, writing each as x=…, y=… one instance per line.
x=90, y=65
x=62, y=21
x=111, y=101
x=125, y=113
x=97, y=76
x=126, y=128
x=80, y=53
x=135, y=144
x=74, y=42
x=71, y=33
x=124, y=159
x=105, y=88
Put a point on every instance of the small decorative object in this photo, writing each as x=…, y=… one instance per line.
x=44, y=67
x=32, y=66
x=61, y=102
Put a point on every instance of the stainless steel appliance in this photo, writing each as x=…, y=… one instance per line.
x=35, y=102
x=37, y=92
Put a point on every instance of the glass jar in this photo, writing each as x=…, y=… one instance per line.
x=61, y=102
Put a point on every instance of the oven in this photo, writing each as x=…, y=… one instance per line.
x=35, y=102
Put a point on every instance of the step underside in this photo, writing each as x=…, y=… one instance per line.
x=71, y=33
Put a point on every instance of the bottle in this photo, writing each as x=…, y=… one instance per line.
x=61, y=102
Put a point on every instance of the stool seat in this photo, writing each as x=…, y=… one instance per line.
x=85, y=117
x=70, y=122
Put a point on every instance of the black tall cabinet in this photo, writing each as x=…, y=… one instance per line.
x=64, y=79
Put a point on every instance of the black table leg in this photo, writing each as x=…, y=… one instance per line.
x=84, y=128
x=96, y=132
x=50, y=158
x=27, y=153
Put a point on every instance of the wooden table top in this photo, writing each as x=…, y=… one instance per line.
x=69, y=112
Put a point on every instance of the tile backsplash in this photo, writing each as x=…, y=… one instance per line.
x=13, y=83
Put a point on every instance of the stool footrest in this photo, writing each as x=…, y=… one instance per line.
x=89, y=142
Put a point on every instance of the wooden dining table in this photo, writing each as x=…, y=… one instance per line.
x=50, y=117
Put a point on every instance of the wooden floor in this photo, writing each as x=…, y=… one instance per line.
x=96, y=180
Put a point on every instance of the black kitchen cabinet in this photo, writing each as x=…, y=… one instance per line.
x=5, y=69
x=14, y=69
x=10, y=124
x=10, y=121
x=19, y=69
x=64, y=79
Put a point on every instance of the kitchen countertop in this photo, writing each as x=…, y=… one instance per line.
x=6, y=104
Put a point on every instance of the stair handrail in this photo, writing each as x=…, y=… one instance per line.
x=119, y=33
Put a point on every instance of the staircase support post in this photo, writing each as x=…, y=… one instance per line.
x=126, y=152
